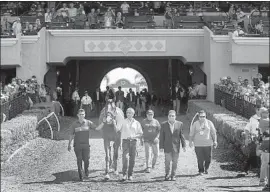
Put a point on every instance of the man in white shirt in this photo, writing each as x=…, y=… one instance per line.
x=75, y=100
x=17, y=27
x=238, y=32
x=64, y=11
x=72, y=12
x=131, y=130
x=202, y=91
x=125, y=8
x=86, y=104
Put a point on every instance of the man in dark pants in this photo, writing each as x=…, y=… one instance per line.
x=131, y=130
x=98, y=100
x=171, y=135
x=80, y=130
x=203, y=135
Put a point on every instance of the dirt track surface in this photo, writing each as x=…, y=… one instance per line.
x=46, y=165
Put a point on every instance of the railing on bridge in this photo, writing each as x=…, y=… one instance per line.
x=14, y=107
x=234, y=102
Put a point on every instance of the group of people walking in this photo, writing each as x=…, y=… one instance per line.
x=139, y=101
x=167, y=137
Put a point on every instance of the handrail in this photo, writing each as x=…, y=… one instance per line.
x=46, y=119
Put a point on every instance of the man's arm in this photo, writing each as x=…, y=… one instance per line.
x=182, y=137
x=192, y=133
x=213, y=133
x=161, y=137
x=158, y=130
x=139, y=131
x=100, y=126
x=71, y=137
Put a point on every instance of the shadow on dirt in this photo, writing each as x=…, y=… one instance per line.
x=66, y=176
x=232, y=188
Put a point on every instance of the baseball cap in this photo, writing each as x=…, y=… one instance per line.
x=150, y=112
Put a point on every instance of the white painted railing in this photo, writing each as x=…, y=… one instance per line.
x=46, y=119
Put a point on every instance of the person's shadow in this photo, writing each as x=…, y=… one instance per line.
x=66, y=176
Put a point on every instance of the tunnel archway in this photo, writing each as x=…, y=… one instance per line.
x=127, y=65
x=126, y=78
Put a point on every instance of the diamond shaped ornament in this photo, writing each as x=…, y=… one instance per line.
x=148, y=45
x=111, y=46
x=138, y=45
x=91, y=46
x=125, y=46
x=101, y=46
x=158, y=45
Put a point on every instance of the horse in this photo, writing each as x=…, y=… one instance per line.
x=109, y=113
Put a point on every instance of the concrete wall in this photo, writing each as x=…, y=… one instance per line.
x=11, y=52
x=248, y=50
x=217, y=63
x=187, y=43
x=33, y=58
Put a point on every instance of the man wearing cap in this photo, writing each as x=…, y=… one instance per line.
x=86, y=104
x=171, y=135
x=151, y=129
x=80, y=131
x=131, y=130
x=119, y=98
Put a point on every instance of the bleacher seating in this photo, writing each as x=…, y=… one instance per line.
x=146, y=20
x=188, y=22
x=142, y=22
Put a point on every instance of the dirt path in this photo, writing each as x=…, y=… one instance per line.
x=54, y=169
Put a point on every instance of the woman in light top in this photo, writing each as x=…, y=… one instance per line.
x=108, y=18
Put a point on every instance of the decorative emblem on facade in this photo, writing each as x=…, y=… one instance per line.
x=125, y=46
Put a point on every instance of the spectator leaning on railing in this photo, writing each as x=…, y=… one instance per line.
x=258, y=95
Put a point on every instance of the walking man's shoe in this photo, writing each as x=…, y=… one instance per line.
x=167, y=178
x=86, y=173
x=147, y=170
x=206, y=172
x=124, y=177
x=173, y=178
x=80, y=177
x=130, y=178
x=200, y=173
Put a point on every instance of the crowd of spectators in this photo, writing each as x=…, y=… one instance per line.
x=30, y=87
x=81, y=15
x=255, y=21
x=256, y=92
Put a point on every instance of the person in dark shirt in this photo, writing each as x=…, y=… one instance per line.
x=151, y=129
x=80, y=131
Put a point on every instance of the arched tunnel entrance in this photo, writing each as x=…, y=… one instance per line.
x=87, y=74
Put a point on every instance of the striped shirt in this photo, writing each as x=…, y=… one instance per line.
x=81, y=132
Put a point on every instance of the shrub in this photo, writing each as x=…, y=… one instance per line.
x=23, y=128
